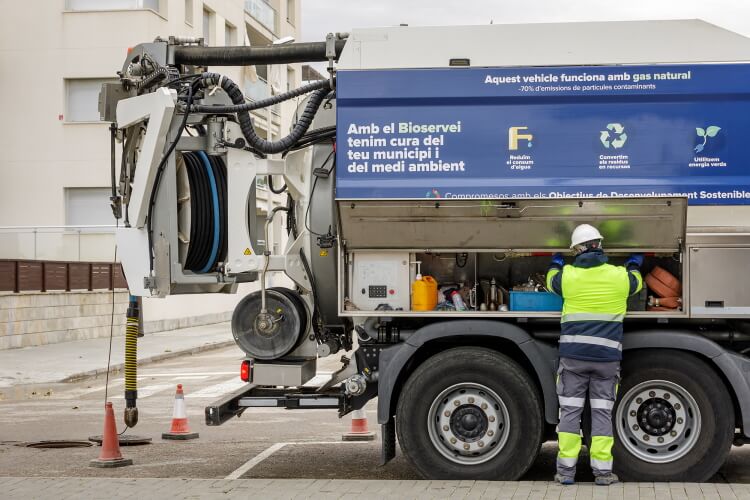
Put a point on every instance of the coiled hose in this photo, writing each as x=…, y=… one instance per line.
x=131, y=362
x=246, y=123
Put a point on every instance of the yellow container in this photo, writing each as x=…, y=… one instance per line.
x=424, y=294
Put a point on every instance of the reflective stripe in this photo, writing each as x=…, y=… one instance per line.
x=567, y=461
x=570, y=445
x=588, y=339
x=600, y=464
x=592, y=317
x=577, y=402
x=601, y=404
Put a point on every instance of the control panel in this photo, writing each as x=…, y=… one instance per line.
x=379, y=279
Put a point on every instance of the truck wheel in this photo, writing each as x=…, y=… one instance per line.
x=674, y=420
x=470, y=413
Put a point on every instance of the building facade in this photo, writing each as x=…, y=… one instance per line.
x=55, y=170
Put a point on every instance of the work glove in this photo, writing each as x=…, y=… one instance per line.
x=635, y=260
x=557, y=260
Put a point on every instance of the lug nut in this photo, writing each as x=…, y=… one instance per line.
x=484, y=406
x=646, y=437
x=679, y=420
x=471, y=400
x=457, y=403
x=480, y=444
x=490, y=433
x=467, y=447
x=651, y=394
x=447, y=413
x=632, y=413
x=660, y=439
x=453, y=440
x=491, y=418
x=635, y=427
x=673, y=433
x=638, y=400
x=667, y=395
x=446, y=428
x=677, y=406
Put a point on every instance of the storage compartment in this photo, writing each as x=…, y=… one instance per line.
x=490, y=257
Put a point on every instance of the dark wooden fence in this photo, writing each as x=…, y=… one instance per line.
x=43, y=276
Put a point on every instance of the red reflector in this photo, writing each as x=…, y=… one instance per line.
x=245, y=371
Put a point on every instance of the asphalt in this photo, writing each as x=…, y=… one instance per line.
x=68, y=361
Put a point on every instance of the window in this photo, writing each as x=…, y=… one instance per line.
x=112, y=4
x=207, y=26
x=289, y=78
x=82, y=99
x=189, y=12
x=290, y=12
x=230, y=35
x=88, y=206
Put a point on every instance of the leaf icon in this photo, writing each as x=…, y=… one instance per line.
x=712, y=131
x=700, y=132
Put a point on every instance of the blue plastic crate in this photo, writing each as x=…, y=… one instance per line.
x=535, y=301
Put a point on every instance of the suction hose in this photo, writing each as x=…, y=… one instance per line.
x=131, y=362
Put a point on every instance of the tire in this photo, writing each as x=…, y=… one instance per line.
x=484, y=376
x=705, y=451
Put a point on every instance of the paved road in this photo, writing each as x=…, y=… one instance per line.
x=263, y=443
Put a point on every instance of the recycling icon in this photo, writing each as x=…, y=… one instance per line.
x=614, y=136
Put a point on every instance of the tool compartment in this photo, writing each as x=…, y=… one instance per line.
x=490, y=258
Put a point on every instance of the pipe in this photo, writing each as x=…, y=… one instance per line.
x=248, y=56
x=131, y=362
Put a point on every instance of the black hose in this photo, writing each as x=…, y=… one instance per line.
x=156, y=76
x=248, y=56
x=246, y=123
x=263, y=103
x=270, y=186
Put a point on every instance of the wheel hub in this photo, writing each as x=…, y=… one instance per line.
x=468, y=423
x=657, y=416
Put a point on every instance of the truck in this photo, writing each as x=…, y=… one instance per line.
x=466, y=154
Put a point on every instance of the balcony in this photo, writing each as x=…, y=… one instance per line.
x=112, y=5
x=259, y=90
x=263, y=13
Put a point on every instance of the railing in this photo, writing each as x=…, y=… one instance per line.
x=43, y=276
x=258, y=90
x=112, y=4
x=263, y=13
x=58, y=243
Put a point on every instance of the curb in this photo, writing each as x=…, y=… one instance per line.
x=76, y=377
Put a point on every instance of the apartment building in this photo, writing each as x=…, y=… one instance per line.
x=55, y=167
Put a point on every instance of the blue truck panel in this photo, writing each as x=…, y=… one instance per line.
x=597, y=131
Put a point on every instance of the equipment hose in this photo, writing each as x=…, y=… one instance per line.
x=131, y=362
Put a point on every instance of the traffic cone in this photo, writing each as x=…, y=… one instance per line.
x=359, y=431
x=110, y=455
x=180, y=429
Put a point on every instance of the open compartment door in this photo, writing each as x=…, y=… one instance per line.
x=627, y=224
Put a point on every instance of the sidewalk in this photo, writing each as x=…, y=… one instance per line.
x=71, y=360
x=79, y=487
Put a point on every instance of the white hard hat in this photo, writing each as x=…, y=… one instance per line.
x=584, y=233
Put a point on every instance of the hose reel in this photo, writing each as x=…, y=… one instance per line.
x=274, y=334
x=202, y=211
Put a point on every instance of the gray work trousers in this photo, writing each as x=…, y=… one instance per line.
x=576, y=379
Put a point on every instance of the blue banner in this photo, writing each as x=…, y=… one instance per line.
x=601, y=131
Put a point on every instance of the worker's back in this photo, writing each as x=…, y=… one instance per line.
x=595, y=296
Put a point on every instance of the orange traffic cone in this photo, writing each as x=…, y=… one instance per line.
x=110, y=455
x=180, y=429
x=359, y=431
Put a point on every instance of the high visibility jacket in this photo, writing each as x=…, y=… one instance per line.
x=595, y=296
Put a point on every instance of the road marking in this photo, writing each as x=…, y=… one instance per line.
x=190, y=374
x=112, y=384
x=191, y=377
x=244, y=468
x=149, y=390
x=217, y=390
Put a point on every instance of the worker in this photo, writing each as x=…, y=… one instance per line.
x=595, y=296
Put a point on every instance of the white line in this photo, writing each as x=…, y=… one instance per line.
x=244, y=468
x=255, y=461
x=149, y=390
x=191, y=377
x=216, y=390
x=190, y=374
